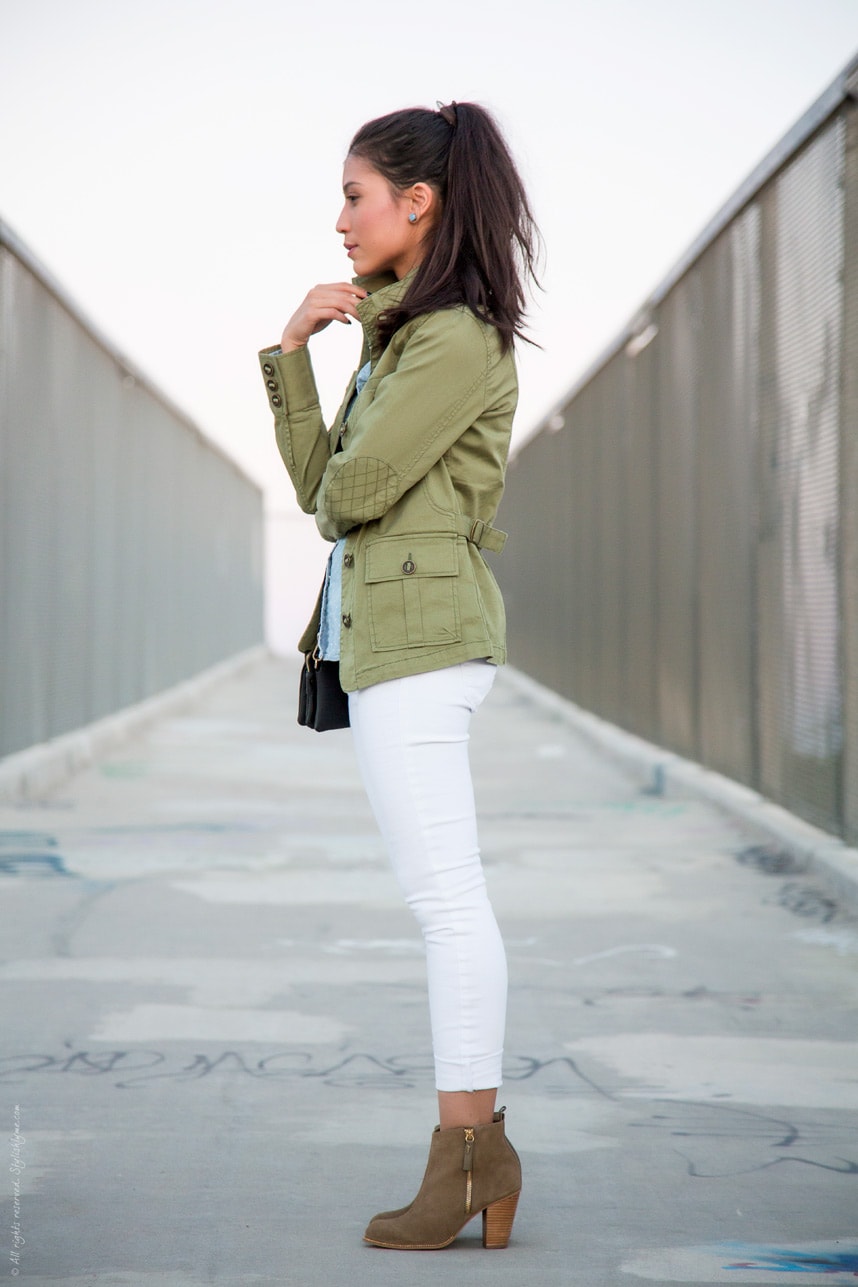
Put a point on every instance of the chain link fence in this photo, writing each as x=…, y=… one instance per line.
x=684, y=552
x=130, y=547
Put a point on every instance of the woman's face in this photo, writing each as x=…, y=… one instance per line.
x=374, y=222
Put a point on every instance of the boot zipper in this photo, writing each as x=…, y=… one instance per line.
x=468, y=1166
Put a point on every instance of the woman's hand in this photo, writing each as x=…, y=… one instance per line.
x=324, y=304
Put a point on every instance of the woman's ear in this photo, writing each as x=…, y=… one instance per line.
x=424, y=201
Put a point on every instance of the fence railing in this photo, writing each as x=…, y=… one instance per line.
x=684, y=549
x=130, y=546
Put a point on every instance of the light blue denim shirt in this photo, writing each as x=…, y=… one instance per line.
x=332, y=594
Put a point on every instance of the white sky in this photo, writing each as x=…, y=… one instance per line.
x=176, y=165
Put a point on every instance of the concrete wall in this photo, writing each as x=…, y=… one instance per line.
x=683, y=557
x=130, y=547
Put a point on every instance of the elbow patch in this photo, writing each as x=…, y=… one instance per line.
x=361, y=489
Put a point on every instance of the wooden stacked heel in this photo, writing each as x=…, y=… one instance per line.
x=497, y=1222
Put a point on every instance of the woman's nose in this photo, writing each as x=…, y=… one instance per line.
x=342, y=225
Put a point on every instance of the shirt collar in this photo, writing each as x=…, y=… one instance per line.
x=384, y=291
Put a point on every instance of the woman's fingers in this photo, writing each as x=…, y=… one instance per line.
x=334, y=302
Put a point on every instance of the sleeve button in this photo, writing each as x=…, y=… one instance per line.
x=268, y=368
x=272, y=385
x=276, y=400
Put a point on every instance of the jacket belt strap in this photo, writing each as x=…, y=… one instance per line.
x=481, y=534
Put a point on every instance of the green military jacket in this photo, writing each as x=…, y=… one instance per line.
x=414, y=488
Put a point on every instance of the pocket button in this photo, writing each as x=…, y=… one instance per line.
x=408, y=567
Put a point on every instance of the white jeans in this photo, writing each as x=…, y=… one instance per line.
x=411, y=737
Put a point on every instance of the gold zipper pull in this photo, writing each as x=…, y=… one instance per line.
x=468, y=1160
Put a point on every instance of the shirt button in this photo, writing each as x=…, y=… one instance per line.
x=347, y=620
x=348, y=560
x=268, y=368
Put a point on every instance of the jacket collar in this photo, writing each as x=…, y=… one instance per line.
x=384, y=292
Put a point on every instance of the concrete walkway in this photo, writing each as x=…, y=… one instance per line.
x=215, y=1039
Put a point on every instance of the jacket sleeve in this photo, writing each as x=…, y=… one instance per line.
x=301, y=434
x=435, y=393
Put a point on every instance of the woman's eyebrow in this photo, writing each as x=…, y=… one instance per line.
x=352, y=183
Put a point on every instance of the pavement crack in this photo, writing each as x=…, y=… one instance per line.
x=71, y=921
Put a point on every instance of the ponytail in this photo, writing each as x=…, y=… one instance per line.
x=483, y=248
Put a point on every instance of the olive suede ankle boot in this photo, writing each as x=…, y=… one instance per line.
x=471, y=1169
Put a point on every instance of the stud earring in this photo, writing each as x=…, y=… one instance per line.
x=412, y=218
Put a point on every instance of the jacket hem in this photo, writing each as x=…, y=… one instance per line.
x=481, y=650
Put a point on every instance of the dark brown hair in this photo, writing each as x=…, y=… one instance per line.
x=483, y=247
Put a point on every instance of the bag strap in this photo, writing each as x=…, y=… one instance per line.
x=481, y=534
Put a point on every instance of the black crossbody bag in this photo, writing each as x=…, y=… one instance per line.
x=322, y=704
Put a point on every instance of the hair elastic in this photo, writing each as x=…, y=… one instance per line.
x=448, y=112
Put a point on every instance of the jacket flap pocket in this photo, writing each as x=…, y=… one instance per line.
x=397, y=557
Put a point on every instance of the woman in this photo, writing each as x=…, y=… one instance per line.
x=407, y=484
